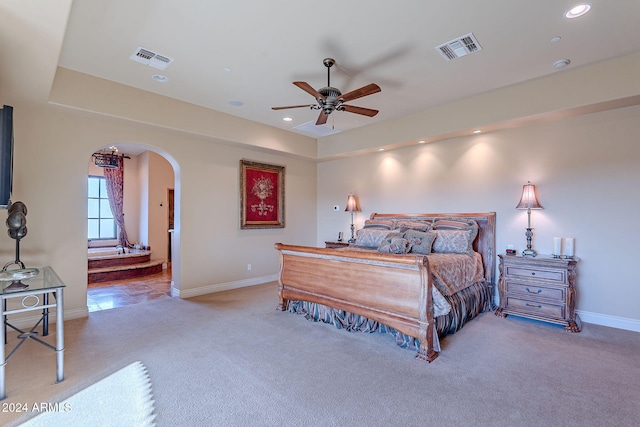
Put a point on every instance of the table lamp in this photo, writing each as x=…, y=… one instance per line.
x=352, y=206
x=528, y=201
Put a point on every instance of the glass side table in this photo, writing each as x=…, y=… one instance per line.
x=33, y=293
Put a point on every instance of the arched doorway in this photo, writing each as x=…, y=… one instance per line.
x=151, y=194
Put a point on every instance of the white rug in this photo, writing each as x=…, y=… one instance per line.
x=122, y=399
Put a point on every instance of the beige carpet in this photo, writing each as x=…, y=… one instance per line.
x=230, y=359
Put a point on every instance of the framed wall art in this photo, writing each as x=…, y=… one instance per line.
x=261, y=195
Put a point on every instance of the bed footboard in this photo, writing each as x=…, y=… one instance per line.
x=392, y=289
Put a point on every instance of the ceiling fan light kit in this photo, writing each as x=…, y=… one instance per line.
x=329, y=99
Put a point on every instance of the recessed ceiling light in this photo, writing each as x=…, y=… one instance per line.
x=160, y=78
x=561, y=63
x=556, y=39
x=287, y=119
x=380, y=149
x=236, y=103
x=577, y=11
x=422, y=141
x=227, y=69
x=477, y=131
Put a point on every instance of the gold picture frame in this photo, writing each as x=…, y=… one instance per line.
x=261, y=195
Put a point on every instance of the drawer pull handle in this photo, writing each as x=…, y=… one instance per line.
x=532, y=305
x=531, y=292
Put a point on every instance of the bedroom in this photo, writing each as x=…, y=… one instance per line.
x=584, y=166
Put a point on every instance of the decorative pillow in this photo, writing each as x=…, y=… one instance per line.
x=413, y=225
x=379, y=223
x=370, y=237
x=420, y=241
x=457, y=224
x=394, y=245
x=453, y=242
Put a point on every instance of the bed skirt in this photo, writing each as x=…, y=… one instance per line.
x=465, y=305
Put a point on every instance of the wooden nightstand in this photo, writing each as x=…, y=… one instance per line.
x=336, y=244
x=541, y=287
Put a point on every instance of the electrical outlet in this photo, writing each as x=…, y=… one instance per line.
x=336, y=208
x=248, y=267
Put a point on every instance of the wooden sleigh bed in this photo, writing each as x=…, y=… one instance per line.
x=400, y=294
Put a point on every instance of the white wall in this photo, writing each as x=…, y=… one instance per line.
x=50, y=170
x=586, y=172
x=160, y=180
x=155, y=176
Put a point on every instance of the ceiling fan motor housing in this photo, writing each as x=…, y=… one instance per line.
x=331, y=94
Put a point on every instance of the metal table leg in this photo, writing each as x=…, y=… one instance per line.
x=59, y=335
x=3, y=361
x=45, y=315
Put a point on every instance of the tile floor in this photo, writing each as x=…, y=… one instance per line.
x=106, y=295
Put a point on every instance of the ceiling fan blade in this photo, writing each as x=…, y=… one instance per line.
x=359, y=93
x=311, y=91
x=322, y=118
x=291, y=106
x=359, y=110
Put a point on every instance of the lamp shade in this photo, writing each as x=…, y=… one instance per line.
x=352, y=204
x=529, y=199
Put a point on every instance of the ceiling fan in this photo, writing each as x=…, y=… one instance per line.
x=330, y=99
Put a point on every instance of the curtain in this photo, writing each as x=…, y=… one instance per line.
x=115, y=186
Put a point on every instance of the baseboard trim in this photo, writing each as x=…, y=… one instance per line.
x=218, y=287
x=608, y=320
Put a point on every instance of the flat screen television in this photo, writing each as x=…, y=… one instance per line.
x=6, y=155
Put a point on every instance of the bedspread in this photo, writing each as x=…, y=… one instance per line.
x=451, y=272
x=454, y=272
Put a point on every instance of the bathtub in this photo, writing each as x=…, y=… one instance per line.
x=112, y=252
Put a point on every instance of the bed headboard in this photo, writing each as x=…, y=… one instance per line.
x=485, y=243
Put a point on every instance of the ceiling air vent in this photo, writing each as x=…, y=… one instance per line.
x=150, y=58
x=459, y=47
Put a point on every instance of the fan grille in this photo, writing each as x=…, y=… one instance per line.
x=330, y=92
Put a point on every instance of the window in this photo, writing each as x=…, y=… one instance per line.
x=101, y=222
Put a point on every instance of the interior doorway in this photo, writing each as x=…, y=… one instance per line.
x=151, y=186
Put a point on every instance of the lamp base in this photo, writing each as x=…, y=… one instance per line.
x=17, y=284
x=529, y=252
x=353, y=230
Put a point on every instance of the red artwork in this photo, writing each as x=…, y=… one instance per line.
x=262, y=194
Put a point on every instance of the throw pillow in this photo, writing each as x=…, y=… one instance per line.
x=370, y=237
x=453, y=242
x=379, y=223
x=421, y=242
x=413, y=225
x=457, y=224
x=394, y=245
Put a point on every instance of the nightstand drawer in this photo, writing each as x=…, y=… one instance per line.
x=551, y=293
x=535, y=308
x=557, y=276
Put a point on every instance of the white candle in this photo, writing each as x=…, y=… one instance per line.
x=557, y=246
x=568, y=246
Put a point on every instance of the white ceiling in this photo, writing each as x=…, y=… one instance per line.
x=269, y=44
